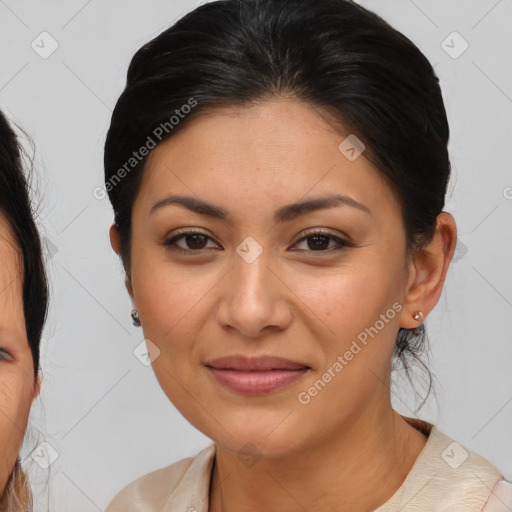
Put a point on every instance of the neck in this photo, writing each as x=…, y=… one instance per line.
x=337, y=474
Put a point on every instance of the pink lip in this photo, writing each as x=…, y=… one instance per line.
x=256, y=382
x=256, y=376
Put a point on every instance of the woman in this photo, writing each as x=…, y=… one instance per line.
x=278, y=170
x=23, y=309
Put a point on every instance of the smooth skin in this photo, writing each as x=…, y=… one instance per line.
x=295, y=301
x=18, y=385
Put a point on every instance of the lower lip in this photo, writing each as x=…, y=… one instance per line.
x=256, y=382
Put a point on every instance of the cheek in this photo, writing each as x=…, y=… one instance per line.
x=353, y=315
x=169, y=298
x=334, y=298
x=15, y=402
x=171, y=305
x=346, y=301
x=356, y=334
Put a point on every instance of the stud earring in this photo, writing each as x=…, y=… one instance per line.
x=418, y=315
x=135, y=318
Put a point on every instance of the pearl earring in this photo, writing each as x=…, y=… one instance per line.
x=418, y=315
x=135, y=318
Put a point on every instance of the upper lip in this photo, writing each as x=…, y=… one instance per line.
x=267, y=362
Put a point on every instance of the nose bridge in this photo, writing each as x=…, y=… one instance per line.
x=251, y=298
x=250, y=272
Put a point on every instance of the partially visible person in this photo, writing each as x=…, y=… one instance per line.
x=23, y=310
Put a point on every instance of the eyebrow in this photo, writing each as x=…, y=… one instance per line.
x=284, y=214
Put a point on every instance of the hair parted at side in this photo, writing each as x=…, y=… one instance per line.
x=332, y=54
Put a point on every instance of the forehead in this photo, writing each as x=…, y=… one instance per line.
x=10, y=256
x=277, y=151
x=11, y=270
x=11, y=279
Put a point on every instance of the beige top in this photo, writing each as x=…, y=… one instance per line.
x=446, y=477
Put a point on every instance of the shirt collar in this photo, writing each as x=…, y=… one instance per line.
x=191, y=493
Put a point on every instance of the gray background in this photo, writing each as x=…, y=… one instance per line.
x=101, y=410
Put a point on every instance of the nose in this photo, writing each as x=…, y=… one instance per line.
x=254, y=297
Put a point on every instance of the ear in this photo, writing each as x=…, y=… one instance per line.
x=115, y=242
x=115, y=239
x=428, y=272
x=37, y=385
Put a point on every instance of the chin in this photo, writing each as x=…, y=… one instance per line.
x=254, y=447
x=256, y=434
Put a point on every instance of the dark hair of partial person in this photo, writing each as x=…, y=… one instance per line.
x=17, y=207
x=332, y=54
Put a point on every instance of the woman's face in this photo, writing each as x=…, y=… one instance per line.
x=252, y=284
x=18, y=386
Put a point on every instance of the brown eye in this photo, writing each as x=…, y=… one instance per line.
x=194, y=242
x=318, y=241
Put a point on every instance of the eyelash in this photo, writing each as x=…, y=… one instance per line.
x=342, y=244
